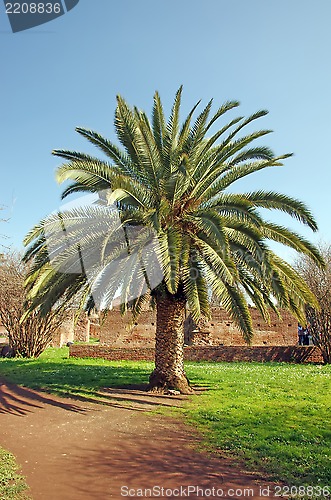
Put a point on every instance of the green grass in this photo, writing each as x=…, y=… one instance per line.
x=12, y=485
x=55, y=372
x=273, y=416
x=94, y=340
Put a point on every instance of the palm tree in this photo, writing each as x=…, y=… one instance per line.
x=172, y=180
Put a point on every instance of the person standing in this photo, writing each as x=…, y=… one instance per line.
x=300, y=334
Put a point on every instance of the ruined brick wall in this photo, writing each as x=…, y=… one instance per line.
x=279, y=333
x=115, y=331
x=221, y=330
x=221, y=353
x=94, y=328
x=82, y=329
x=72, y=330
x=65, y=333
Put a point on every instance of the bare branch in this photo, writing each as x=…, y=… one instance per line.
x=32, y=335
x=319, y=282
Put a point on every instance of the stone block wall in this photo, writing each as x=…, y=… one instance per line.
x=65, y=333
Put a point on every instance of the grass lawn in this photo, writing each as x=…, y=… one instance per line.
x=12, y=485
x=274, y=416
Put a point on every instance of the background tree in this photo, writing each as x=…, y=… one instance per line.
x=2, y=236
x=319, y=281
x=174, y=181
x=29, y=336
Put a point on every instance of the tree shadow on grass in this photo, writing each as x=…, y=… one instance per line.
x=117, y=386
x=132, y=397
x=37, y=373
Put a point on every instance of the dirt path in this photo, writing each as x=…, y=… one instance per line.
x=75, y=450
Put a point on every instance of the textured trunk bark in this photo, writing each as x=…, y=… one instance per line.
x=169, y=346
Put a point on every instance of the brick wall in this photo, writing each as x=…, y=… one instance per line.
x=116, y=331
x=212, y=353
x=111, y=353
x=221, y=330
x=72, y=330
x=279, y=333
x=82, y=329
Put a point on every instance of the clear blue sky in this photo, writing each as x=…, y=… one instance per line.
x=272, y=54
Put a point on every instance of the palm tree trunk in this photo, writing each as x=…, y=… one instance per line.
x=169, y=370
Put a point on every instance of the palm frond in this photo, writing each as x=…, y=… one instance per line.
x=238, y=172
x=170, y=253
x=235, y=303
x=277, y=201
x=293, y=240
x=121, y=160
x=159, y=123
x=196, y=291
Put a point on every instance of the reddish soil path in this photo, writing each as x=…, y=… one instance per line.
x=77, y=450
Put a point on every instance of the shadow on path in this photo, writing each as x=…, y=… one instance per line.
x=95, y=450
x=159, y=454
x=131, y=397
x=20, y=401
